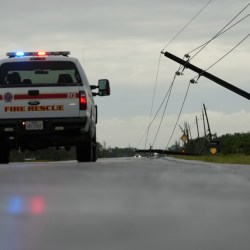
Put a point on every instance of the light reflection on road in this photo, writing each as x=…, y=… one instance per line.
x=23, y=215
x=18, y=205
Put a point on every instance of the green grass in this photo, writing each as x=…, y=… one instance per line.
x=231, y=159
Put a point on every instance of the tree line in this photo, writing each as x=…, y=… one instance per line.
x=53, y=154
x=238, y=143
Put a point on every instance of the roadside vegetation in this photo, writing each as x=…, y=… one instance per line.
x=220, y=158
x=230, y=148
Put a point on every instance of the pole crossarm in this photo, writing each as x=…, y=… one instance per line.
x=207, y=75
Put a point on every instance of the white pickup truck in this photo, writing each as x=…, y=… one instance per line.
x=46, y=101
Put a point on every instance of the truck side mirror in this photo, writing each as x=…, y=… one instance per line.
x=104, y=88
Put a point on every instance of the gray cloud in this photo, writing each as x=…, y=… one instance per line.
x=121, y=40
x=158, y=20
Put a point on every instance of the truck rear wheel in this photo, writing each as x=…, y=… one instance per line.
x=86, y=150
x=4, y=154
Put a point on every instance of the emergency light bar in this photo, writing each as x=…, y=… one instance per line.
x=38, y=53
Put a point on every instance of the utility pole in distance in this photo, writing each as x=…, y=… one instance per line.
x=209, y=131
x=197, y=125
x=204, y=124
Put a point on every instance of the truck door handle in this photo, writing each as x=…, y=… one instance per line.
x=34, y=103
x=33, y=92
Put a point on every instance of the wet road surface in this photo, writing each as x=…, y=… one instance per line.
x=128, y=203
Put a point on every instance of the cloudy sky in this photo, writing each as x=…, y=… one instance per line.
x=122, y=41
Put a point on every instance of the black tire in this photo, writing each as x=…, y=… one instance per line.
x=4, y=154
x=86, y=150
x=94, y=149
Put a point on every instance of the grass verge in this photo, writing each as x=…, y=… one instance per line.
x=220, y=158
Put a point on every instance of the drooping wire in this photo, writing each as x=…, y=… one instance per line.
x=178, y=73
x=221, y=33
x=165, y=97
x=157, y=73
x=237, y=45
x=153, y=99
x=223, y=30
x=178, y=33
x=152, y=121
x=229, y=52
x=179, y=115
x=169, y=94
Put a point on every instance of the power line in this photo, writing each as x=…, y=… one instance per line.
x=222, y=31
x=166, y=95
x=178, y=33
x=179, y=114
x=158, y=67
x=237, y=45
x=219, y=33
x=170, y=90
x=151, y=122
x=230, y=51
x=152, y=104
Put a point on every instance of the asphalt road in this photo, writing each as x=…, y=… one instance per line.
x=118, y=204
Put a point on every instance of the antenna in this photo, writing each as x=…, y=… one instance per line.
x=83, y=59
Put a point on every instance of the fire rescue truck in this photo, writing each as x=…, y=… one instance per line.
x=47, y=101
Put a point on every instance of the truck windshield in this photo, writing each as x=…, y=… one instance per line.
x=39, y=72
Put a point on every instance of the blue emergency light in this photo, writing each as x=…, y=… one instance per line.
x=20, y=53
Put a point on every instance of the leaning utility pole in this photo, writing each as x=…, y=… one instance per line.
x=209, y=131
x=204, y=124
x=211, y=77
x=182, y=129
x=189, y=130
x=197, y=125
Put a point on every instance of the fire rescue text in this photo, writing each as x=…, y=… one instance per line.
x=33, y=108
